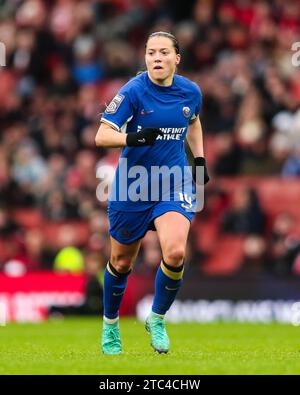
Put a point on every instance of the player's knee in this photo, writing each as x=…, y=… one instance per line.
x=121, y=263
x=174, y=256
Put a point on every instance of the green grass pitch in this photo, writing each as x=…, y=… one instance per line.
x=72, y=346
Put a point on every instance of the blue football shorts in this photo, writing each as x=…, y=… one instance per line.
x=128, y=227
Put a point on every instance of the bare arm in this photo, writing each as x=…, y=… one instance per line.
x=108, y=137
x=195, y=138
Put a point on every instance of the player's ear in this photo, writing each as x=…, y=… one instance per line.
x=178, y=58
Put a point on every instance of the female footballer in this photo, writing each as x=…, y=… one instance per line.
x=156, y=111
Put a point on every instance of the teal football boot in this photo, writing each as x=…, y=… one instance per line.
x=155, y=325
x=111, y=340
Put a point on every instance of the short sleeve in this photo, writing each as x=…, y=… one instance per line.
x=198, y=101
x=120, y=110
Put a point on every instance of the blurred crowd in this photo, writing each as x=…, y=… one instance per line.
x=65, y=60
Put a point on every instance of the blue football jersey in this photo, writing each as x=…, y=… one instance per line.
x=141, y=176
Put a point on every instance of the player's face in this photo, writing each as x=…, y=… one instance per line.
x=161, y=60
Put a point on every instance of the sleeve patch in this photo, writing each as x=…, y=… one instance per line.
x=193, y=119
x=114, y=104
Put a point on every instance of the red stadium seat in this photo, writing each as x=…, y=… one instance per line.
x=207, y=236
x=227, y=256
x=210, y=150
x=62, y=234
x=28, y=217
x=280, y=195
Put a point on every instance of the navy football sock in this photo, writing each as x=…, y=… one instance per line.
x=114, y=289
x=167, y=283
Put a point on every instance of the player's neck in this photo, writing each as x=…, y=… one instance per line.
x=166, y=82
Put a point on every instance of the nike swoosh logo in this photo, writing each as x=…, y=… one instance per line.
x=115, y=294
x=143, y=112
x=171, y=289
x=142, y=140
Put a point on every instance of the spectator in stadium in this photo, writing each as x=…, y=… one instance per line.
x=149, y=255
x=284, y=245
x=291, y=167
x=8, y=226
x=93, y=294
x=32, y=252
x=246, y=215
x=229, y=155
x=254, y=261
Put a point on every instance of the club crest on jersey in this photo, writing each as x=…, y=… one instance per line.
x=186, y=111
x=114, y=104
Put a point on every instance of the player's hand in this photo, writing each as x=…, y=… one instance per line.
x=202, y=175
x=146, y=136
